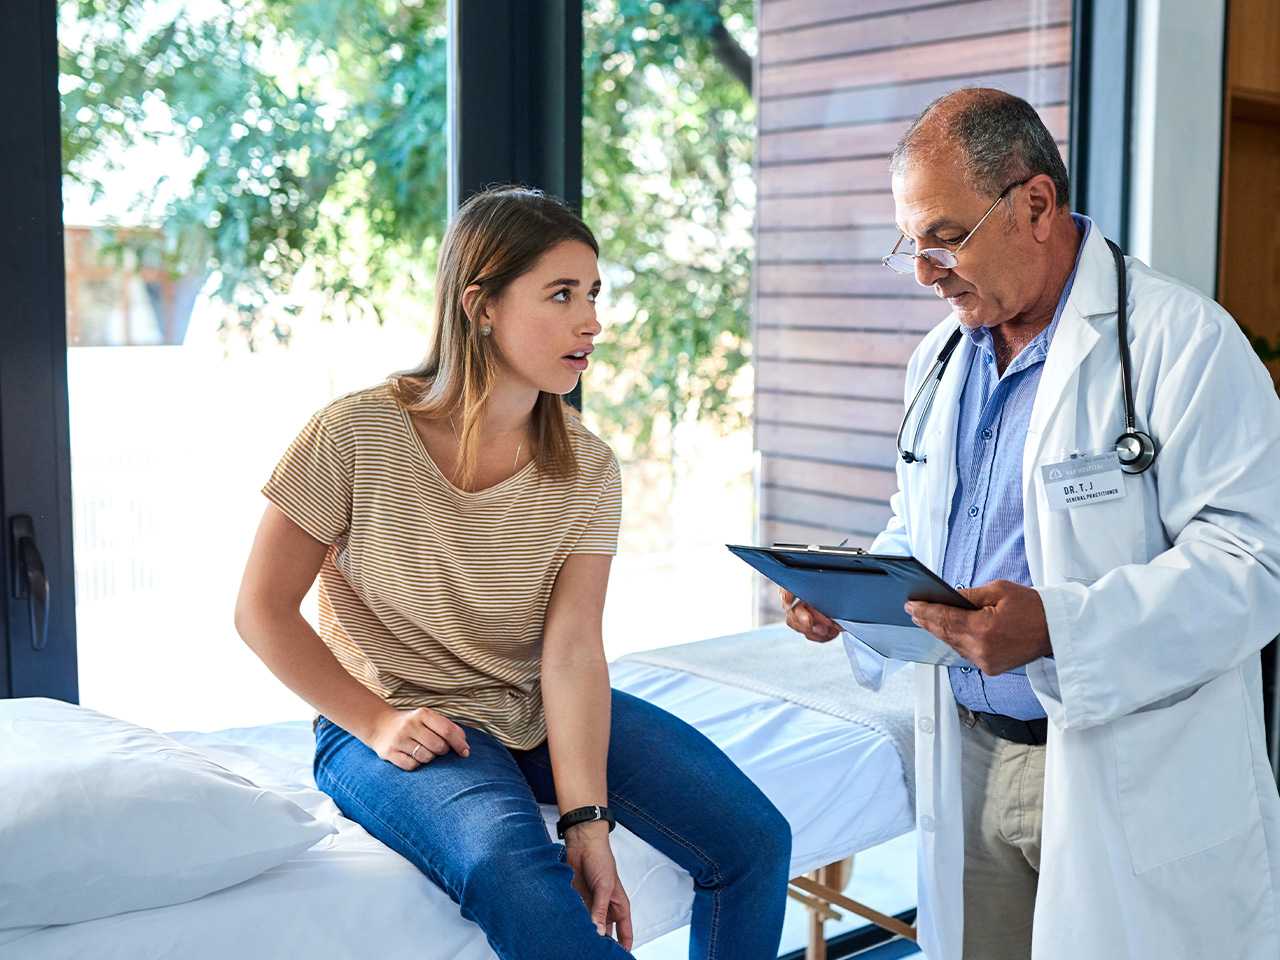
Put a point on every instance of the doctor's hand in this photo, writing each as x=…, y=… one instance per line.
x=595, y=877
x=1008, y=629
x=802, y=618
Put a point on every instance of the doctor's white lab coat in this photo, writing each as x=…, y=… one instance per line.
x=1161, y=818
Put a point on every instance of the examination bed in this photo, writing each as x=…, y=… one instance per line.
x=835, y=760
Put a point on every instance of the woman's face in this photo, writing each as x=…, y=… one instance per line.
x=544, y=323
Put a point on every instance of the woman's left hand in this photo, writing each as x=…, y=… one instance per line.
x=595, y=877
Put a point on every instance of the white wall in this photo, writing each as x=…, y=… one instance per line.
x=1177, y=137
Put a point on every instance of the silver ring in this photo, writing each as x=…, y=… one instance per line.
x=414, y=754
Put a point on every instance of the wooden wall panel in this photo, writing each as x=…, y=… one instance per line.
x=850, y=279
x=866, y=244
x=856, y=140
x=1249, y=244
x=853, y=447
x=863, y=139
x=908, y=28
x=835, y=412
x=1253, y=46
x=863, y=517
x=787, y=530
x=831, y=210
x=777, y=15
x=839, y=81
x=829, y=379
x=877, y=483
x=835, y=345
x=905, y=100
x=830, y=176
x=916, y=313
x=956, y=58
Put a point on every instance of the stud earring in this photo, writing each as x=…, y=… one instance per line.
x=486, y=330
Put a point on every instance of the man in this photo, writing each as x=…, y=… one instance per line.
x=1114, y=688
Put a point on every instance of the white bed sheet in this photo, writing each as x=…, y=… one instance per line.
x=839, y=784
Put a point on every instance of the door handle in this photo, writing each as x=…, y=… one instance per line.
x=29, y=579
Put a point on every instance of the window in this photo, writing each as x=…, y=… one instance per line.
x=668, y=141
x=253, y=194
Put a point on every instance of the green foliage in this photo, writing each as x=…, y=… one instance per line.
x=317, y=131
x=317, y=127
x=668, y=137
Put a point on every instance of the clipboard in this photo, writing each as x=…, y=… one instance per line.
x=864, y=593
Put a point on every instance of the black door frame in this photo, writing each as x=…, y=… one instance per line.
x=1102, y=63
x=35, y=470
x=515, y=100
x=515, y=97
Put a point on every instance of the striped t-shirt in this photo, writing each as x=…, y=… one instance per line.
x=430, y=595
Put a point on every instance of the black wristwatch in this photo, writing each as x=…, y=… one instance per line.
x=584, y=815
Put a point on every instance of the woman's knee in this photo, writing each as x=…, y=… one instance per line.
x=763, y=838
x=512, y=876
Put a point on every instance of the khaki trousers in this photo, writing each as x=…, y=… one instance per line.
x=1003, y=803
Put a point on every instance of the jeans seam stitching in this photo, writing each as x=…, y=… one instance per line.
x=713, y=937
x=665, y=831
x=713, y=942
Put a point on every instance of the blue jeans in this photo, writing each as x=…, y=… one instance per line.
x=473, y=826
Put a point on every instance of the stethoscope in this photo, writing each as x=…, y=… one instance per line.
x=1135, y=449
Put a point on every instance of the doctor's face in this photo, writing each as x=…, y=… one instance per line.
x=997, y=270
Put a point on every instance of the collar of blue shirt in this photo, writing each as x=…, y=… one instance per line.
x=1038, y=348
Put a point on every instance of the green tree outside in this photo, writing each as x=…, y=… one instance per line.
x=316, y=128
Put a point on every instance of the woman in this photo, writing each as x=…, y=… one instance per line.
x=462, y=522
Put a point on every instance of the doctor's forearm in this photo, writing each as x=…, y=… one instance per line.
x=577, y=700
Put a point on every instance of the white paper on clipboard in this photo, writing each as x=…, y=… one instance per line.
x=904, y=643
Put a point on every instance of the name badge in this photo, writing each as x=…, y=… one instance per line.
x=1083, y=479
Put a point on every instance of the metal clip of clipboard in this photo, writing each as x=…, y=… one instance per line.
x=819, y=548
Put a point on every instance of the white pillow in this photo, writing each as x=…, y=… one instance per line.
x=99, y=816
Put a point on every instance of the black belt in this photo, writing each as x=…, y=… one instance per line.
x=1029, y=732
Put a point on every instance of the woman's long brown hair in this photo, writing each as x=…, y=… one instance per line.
x=496, y=237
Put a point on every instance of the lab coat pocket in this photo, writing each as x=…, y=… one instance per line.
x=1183, y=774
x=1092, y=539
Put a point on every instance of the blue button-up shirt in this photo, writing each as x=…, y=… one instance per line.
x=984, y=540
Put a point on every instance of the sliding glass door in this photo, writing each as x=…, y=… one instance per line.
x=253, y=194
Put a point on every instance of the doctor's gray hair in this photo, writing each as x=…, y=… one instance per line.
x=998, y=138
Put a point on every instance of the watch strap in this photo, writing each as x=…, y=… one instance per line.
x=582, y=815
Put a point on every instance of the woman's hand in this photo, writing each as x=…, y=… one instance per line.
x=595, y=877
x=411, y=738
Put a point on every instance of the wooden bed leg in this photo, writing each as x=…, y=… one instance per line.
x=820, y=891
x=817, y=946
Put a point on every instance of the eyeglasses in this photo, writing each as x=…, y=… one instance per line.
x=905, y=263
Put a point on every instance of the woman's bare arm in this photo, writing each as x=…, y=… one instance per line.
x=576, y=698
x=575, y=682
x=282, y=566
